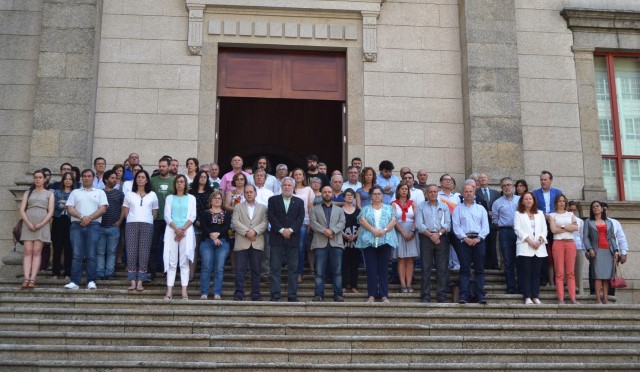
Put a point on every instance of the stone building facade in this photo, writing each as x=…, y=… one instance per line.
x=505, y=87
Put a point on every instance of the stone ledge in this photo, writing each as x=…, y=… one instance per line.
x=601, y=20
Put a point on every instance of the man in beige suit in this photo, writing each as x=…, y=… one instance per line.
x=327, y=222
x=250, y=222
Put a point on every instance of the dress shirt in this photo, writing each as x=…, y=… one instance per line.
x=417, y=197
x=271, y=183
x=450, y=200
x=98, y=183
x=348, y=185
x=251, y=209
x=577, y=235
x=503, y=210
x=226, y=181
x=263, y=194
x=384, y=182
x=432, y=218
x=468, y=219
x=620, y=236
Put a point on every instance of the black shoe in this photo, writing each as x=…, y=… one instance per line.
x=274, y=299
x=256, y=299
x=100, y=277
x=338, y=298
x=462, y=302
x=483, y=301
x=425, y=300
x=238, y=298
x=265, y=279
x=442, y=300
x=292, y=299
x=317, y=299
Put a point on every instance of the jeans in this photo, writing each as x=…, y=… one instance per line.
x=278, y=253
x=428, y=251
x=212, y=258
x=248, y=257
x=467, y=255
x=84, y=240
x=106, y=251
x=377, y=260
x=333, y=257
x=507, y=239
x=531, y=267
x=302, y=249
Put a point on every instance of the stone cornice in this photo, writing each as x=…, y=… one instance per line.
x=367, y=10
x=601, y=20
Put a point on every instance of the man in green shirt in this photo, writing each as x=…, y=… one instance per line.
x=162, y=185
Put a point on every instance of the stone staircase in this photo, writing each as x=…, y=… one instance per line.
x=50, y=328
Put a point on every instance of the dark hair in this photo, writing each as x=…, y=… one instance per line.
x=73, y=182
x=364, y=172
x=547, y=172
x=534, y=207
x=137, y=165
x=195, y=161
x=572, y=203
x=304, y=177
x=403, y=183
x=385, y=165
x=592, y=216
x=147, y=186
x=255, y=164
x=250, y=185
x=45, y=170
x=167, y=158
x=405, y=173
x=163, y=159
x=117, y=166
x=312, y=157
x=186, y=184
x=236, y=176
x=356, y=158
x=107, y=174
x=375, y=187
x=195, y=184
x=76, y=172
x=349, y=190
x=557, y=199
x=88, y=171
x=521, y=182
x=99, y=158
x=444, y=175
x=63, y=164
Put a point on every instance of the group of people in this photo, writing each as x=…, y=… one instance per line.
x=168, y=220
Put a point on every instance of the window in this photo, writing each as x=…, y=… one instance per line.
x=617, y=78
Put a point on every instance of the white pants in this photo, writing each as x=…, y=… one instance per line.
x=177, y=256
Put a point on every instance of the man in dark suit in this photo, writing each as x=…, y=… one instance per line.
x=487, y=196
x=545, y=196
x=286, y=214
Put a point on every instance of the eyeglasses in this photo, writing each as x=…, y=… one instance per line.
x=216, y=198
x=446, y=179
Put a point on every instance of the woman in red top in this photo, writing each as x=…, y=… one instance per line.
x=408, y=245
x=602, y=248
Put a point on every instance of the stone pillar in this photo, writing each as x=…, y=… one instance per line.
x=491, y=88
x=65, y=94
x=589, y=131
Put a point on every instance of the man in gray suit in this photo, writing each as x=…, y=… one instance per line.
x=327, y=222
x=250, y=222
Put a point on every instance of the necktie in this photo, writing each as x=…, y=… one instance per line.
x=486, y=195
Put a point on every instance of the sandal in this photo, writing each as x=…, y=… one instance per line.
x=355, y=290
x=404, y=290
x=167, y=298
x=132, y=287
x=371, y=299
x=185, y=297
x=139, y=287
x=385, y=300
x=410, y=289
x=25, y=284
x=32, y=284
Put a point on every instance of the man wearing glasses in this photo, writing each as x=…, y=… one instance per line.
x=502, y=213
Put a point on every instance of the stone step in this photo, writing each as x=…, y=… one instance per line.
x=64, y=365
x=312, y=355
x=316, y=341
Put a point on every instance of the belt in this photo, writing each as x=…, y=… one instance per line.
x=506, y=227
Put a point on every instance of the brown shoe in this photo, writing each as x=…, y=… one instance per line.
x=25, y=284
x=32, y=284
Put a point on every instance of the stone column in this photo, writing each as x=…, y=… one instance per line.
x=491, y=88
x=65, y=94
x=589, y=131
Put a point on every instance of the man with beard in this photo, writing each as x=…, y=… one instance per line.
x=162, y=185
x=312, y=171
x=109, y=228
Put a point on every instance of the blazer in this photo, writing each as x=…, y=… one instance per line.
x=522, y=228
x=318, y=223
x=590, y=235
x=540, y=199
x=241, y=223
x=488, y=204
x=279, y=219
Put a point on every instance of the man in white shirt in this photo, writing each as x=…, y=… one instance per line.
x=352, y=179
x=86, y=206
x=270, y=182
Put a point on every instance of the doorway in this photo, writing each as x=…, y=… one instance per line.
x=283, y=104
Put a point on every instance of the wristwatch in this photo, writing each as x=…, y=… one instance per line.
x=562, y=227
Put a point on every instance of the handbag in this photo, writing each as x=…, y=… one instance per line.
x=17, y=231
x=617, y=281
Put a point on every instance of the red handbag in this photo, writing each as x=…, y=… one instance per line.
x=617, y=281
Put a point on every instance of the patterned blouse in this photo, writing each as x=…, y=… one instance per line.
x=366, y=238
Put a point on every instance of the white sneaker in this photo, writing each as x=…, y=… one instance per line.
x=528, y=301
x=72, y=285
x=92, y=285
x=537, y=301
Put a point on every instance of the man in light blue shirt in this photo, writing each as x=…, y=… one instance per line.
x=433, y=222
x=502, y=213
x=387, y=181
x=471, y=226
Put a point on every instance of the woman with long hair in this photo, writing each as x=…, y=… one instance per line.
x=200, y=189
x=363, y=195
x=304, y=192
x=377, y=238
x=61, y=227
x=521, y=187
x=179, y=238
x=351, y=256
x=36, y=210
x=602, y=247
x=214, y=250
x=193, y=166
x=530, y=227
x=408, y=245
x=141, y=208
x=563, y=224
